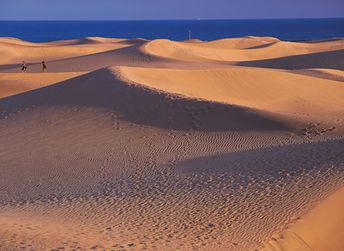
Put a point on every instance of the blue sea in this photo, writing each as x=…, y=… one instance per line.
x=285, y=29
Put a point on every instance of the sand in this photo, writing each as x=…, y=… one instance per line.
x=233, y=144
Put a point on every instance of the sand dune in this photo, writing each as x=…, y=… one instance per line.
x=88, y=40
x=234, y=144
x=108, y=88
x=249, y=51
x=129, y=55
x=15, y=50
x=244, y=49
x=281, y=92
x=240, y=43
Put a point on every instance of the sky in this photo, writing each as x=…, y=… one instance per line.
x=167, y=9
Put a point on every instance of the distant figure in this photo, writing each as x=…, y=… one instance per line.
x=44, y=65
x=24, y=67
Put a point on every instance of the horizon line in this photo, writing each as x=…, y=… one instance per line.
x=193, y=19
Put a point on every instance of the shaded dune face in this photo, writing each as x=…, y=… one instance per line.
x=315, y=156
x=331, y=60
x=336, y=75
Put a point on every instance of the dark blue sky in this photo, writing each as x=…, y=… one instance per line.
x=167, y=9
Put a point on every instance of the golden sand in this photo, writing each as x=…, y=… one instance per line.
x=234, y=144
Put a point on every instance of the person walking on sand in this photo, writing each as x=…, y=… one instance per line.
x=44, y=65
x=24, y=67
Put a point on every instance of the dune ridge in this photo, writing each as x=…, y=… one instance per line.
x=242, y=50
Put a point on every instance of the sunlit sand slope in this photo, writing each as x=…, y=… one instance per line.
x=321, y=229
x=14, y=83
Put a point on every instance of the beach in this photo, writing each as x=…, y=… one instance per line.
x=134, y=144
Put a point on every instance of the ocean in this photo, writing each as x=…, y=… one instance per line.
x=285, y=29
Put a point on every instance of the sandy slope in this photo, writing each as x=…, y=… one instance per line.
x=13, y=83
x=161, y=145
x=325, y=221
